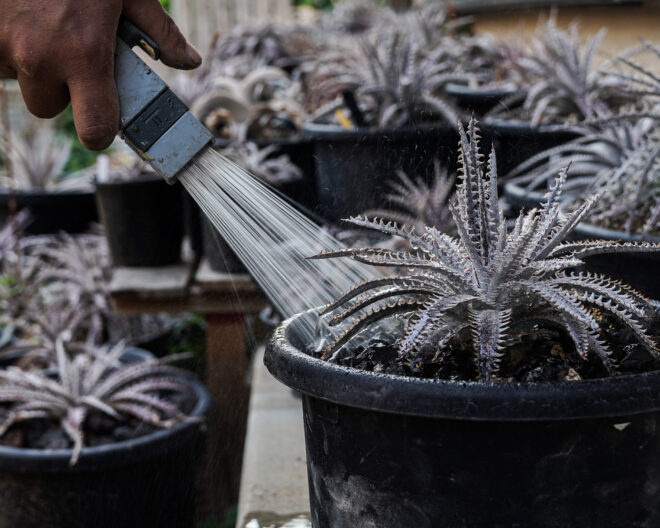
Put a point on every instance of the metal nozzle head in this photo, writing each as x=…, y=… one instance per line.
x=154, y=122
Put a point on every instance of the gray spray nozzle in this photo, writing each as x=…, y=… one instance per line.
x=154, y=122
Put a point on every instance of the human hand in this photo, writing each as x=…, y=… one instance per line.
x=63, y=51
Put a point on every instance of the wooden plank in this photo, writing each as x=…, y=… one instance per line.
x=195, y=302
x=151, y=283
x=209, y=280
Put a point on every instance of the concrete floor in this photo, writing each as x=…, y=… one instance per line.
x=274, y=478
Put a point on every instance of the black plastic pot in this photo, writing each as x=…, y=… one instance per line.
x=389, y=451
x=218, y=253
x=146, y=482
x=640, y=270
x=520, y=198
x=516, y=142
x=479, y=100
x=52, y=212
x=143, y=221
x=354, y=166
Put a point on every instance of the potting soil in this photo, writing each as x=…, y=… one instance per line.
x=543, y=356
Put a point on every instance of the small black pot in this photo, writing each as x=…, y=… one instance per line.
x=145, y=482
x=640, y=270
x=354, y=166
x=478, y=101
x=143, y=221
x=52, y=212
x=516, y=142
x=219, y=254
x=389, y=451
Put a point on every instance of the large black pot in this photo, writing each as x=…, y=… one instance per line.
x=640, y=270
x=516, y=142
x=520, y=198
x=145, y=482
x=143, y=221
x=354, y=166
x=52, y=212
x=389, y=451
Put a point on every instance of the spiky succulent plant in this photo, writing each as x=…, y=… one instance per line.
x=491, y=283
x=58, y=288
x=279, y=45
x=631, y=192
x=393, y=79
x=641, y=83
x=561, y=81
x=415, y=203
x=605, y=149
x=37, y=160
x=88, y=383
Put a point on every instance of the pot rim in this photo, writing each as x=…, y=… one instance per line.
x=610, y=234
x=110, y=455
x=518, y=127
x=521, y=196
x=142, y=179
x=622, y=396
x=320, y=131
x=459, y=89
x=43, y=194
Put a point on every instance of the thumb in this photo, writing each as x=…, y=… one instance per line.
x=151, y=18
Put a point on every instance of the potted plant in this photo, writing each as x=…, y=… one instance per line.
x=412, y=202
x=604, y=149
x=142, y=215
x=387, y=111
x=99, y=443
x=483, y=383
x=33, y=179
x=562, y=92
x=58, y=287
x=629, y=210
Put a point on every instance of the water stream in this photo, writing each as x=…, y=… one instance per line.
x=270, y=236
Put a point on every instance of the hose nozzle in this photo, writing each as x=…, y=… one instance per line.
x=154, y=122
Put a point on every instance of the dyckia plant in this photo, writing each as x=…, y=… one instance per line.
x=416, y=203
x=92, y=382
x=631, y=192
x=561, y=80
x=492, y=284
x=601, y=150
x=394, y=80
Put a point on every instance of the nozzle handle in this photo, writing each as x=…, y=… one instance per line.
x=154, y=122
x=134, y=36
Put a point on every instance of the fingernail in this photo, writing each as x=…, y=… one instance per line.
x=193, y=56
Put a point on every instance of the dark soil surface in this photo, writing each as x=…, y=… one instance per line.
x=99, y=429
x=546, y=355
